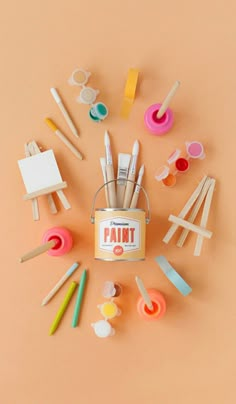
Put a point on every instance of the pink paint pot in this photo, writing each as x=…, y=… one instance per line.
x=63, y=240
x=158, y=126
x=195, y=150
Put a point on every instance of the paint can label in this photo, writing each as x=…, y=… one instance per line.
x=120, y=235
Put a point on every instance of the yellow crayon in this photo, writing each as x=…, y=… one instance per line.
x=63, y=307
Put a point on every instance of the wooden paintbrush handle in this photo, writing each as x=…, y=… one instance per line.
x=128, y=192
x=111, y=187
x=37, y=251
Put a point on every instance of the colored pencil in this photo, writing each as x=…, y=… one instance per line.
x=59, y=284
x=63, y=307
x=79, y=298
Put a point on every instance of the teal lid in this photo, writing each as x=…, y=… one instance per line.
x=98, y=112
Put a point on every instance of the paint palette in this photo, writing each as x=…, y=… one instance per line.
x=179, y=162
x=98, y=111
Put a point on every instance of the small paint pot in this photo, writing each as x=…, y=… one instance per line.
x=195, y=150
x=98, y=112
x=87, y=95
x=111, y=289
x=169, y=181
x=109, y=310
x=162, y=173
x=158, y=126
x=103, y=329
x=63, y=240
x=182, y=164
x=159, y=306
x=165, y=176
x=79, y=77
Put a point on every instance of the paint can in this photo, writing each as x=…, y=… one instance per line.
x=120, y=234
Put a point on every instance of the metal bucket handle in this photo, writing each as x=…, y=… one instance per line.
x=148, y=216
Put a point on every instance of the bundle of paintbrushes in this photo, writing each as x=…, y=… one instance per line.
x=122, y=192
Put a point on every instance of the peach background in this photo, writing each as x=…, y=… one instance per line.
x=189, y=356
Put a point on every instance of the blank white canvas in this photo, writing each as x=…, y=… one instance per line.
x=40, y=171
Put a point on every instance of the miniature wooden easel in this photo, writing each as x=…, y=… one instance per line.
x=203, y=191
x=32, y=149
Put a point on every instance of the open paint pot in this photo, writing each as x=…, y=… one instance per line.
x=158, y=303
x=158, y=126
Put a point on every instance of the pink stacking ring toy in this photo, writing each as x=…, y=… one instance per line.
x=159, y=306
x=158, y=126
x=63, y=240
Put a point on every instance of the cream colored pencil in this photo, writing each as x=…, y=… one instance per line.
x=131, y=177
x=64, y=112
x=205, y=214
x=144, y=293
x=59, y=284
x=194, y=212
x=168, y=99
x=185, y=210
x=110, y=172
x=137, y=188
x=38, y=250
x=63, y=138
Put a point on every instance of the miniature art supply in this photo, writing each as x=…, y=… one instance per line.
x=110, y=173
x=63, y=307
x=108, y=310
x=151, y=305
x=60, y=283
x=120, y=228
x=63, y=138
x=204, y=191
x=34, y=201
x=173, y=276
x=131, y=176
x=122, y=176
x=79, y=298
x=31, y=149
x=64, y=112
x=179, y=162
x=98, y=111
x=56, y=241
x=129, y=93
x=120, y=233
x=135, y=197
x=158, y=117
x=41, y=176
x=104, y=174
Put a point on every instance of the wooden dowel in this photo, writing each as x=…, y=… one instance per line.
x=168, y=99
x=194, y=212
x=185, y=210
x=205, y=214
x=144, y=293
x=63, y=199
x=38, y=250
x=34, y=149
x=34, y=203
x=190, y=226
x=45, y=191
x=111, y=187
